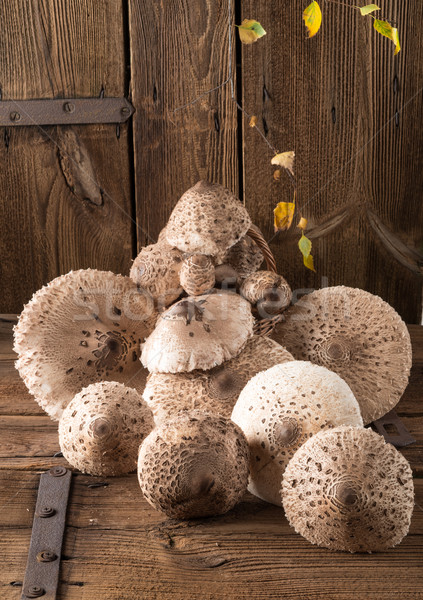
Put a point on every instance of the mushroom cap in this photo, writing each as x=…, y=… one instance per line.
x=245, y=256
x=215, y=391
x=357, y=335
x=83, y=327
x=346, y=489
x=197, y=274
x=102, y=428
x=279, y=409
x=156, y=269
x=270, y=291
x=198, y=332
x=195, y=465
x=208, y=218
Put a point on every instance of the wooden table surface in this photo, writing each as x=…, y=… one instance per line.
x=117, y=547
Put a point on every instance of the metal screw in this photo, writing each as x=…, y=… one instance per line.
x=58, y=471
x=34, y=591
x=45, y=556
x=15, y=116
x=68, y=107
x=125, y=110
x=46, y=512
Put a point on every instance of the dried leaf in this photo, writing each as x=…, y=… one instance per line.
x=309, y=263
x=285, y=160
x=312, y=18
x=284, y=213
x=366, y=10
x=250, y=31
x=385, y=29
x=277, y=175
x=303, y=223
x=253, y=121
x=304, y=245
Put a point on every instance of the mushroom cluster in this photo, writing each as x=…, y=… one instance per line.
x=166, y=372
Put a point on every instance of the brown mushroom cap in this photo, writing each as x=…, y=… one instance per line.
x=357, y=335
x=270, y=291
x=195, y=465
x=208, y=218
x=102, y=428
x=346, y=489
x=244, y=256
x=83, y=327
x=156, y=269
x=197, y=274
x=279, y=409
x=198, y=332
x=215, y=391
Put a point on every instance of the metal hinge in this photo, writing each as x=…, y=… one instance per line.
x=393, y=430
x=68, y=111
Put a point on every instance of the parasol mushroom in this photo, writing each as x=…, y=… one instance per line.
x=269, y=291
x=197, y=274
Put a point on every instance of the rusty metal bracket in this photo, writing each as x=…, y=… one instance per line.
x=69, y=111
x=400, y=436
x=42, y=569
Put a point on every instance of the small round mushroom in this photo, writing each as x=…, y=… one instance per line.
x=346, y=489
x=208, y=219
x=215, y=391
x=102, y=428
x=197, y=274
x=269, y=291
x=156, y=269
x=244, y=256
x=279, y=409
x=198, y=332
x=357, y=335
x=83, y=327
x=195, y=465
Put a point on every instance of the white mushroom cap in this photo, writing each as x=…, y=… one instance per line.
x=346, y=489
x=208, y=219
x=156, y=269
x=195, y=465
x=102, y=428
x=215, y=391
x=198, y=332
x=197, y=274
x=357, y=335
x=83, y=327
x=279, y=409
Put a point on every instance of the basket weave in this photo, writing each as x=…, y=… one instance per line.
x=264, y=327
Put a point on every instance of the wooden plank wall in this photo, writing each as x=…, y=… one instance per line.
x=65, y=192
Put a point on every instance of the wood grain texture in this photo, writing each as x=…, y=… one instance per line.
x=65, y=193
x=350, y=110
x=179, y=50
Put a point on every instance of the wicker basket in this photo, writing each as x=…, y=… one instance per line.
x=264, y=327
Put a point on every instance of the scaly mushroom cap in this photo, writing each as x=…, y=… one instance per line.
x=215, y=391
x=244, y=256
x=197, y=274
x=208, y=219
x=195, y=465
x=357, y=335
x=346, y=489
x=268, y=290
x=102, y=428
x=83, y=327
x=156, y=269
x=279, y=409
x=198, y=332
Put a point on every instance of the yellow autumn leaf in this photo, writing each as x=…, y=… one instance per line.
x=312, y=18
x=302, y=223
x=366, y=10
x=253, y=121
x=285, y=160
x=304, y=245
x=309, y=263
x=250, y=31
x=385, y=29
x=284, y=213
x=277, y=175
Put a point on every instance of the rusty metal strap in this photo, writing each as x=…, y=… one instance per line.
x=42, y=569
x=69, y=111
x=393, y=430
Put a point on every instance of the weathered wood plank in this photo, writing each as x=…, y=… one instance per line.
x=178, y=51
x=65, y=191
x=348, y=108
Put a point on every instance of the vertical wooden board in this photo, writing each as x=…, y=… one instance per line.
x=65, y=191
x=333, y=100
x=179, y=50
